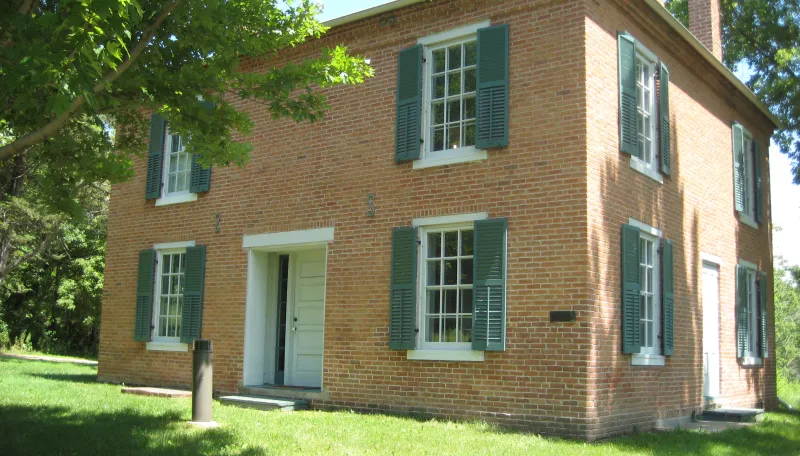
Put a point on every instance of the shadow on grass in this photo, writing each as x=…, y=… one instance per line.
x=72, y=378
x=32, y=430
x=778, y=435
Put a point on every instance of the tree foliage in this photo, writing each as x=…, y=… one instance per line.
x=79, y=78
x=787, y=320
x=763, y=36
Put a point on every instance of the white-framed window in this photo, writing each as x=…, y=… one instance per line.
x=749, y=212
x=752, y=352
x=168, y=302
x=646, y=114
x=449, y=87
x=446, y=271
x=177, y=166
x=650, y=302
x=650, y=299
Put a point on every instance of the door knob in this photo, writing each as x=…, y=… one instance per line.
x=294, y=328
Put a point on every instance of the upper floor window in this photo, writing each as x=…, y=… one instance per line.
x=748, y=196
x=452, y=96
x=177, y=166
x=644, y=118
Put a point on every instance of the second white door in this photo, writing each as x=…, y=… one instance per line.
x=306, y=320
x=711, y=365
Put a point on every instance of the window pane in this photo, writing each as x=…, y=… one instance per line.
x=434, y=272
x=453, y=84
x=466, y=271
x=454, y=57
x=163, y=306
x=650, y=334
x=438, y=86
x=454, y=111
x=173, y=163
x=466, y=329
x=450, y=334
x=179, y=308
x=466, y=242
x=438, y=61
x=438, y=113
x=469, y=81
x=450, y=301
x=178, y=323
x=438, y=138
x=453, y=137
x=171, y=187
x=182, y=259
x=469, y=135
x=466, y=301
x=433, y=301
x=175, y=263
x=175, y=288
x=176, y=143
x=434, y=245
x=470, y=53
x=469, y=108
x=162, y=326
x=451, y=244
x=450, y=272
x=164, y=284
x=433, y=330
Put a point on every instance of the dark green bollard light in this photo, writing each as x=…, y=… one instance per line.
x=202, y=385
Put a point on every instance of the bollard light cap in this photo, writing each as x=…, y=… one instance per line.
x=202, y=344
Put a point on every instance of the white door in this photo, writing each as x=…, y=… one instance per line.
x=306, y=318
x=710, y=330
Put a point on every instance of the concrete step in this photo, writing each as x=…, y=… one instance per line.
x=731, y=414
x=265, y=403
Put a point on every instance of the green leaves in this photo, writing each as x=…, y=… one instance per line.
x=763, y=38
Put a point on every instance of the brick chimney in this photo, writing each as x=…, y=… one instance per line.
x=705, y=22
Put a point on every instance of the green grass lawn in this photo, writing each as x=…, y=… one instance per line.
x=52, y=408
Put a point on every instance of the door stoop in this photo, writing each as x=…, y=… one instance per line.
x=265, y=403
x=732, y=414
x=286, y=392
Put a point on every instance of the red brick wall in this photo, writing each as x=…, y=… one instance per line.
x=564, y=209
x=694, y=207
x=304, y=176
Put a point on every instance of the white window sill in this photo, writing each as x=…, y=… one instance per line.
x=642, y=167
x=639, y=359
x=445, y=355
x=748, y=220
x=167, y=346
x=750, y=361
x=466, y=157
x=176, y=199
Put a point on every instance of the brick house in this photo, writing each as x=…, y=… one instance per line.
x=549, y=214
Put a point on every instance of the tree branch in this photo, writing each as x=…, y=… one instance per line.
x=30, y=255
x=50, y=128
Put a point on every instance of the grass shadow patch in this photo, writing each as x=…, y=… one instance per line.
x=72, y=378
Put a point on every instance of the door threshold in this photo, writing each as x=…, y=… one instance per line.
x=291, y=392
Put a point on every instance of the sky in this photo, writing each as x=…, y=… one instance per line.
x=785, y=195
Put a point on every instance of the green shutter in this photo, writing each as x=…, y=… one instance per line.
x=193, y=284
x=759, y=191
x=631, y=291
x=201, y=177
x=628, y=124
x=403, y=304
x=668, y=297
x=409, y=104
x=664, y=120
x=738, y=166
x=155, y=157
x=489, y=287
x=145, y=284
x=200, y=180
x=763, y=289
x=492, y=111
x=742, y=322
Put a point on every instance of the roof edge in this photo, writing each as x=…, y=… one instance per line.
x=655, y=5
x=662, y=11
x=374, y=11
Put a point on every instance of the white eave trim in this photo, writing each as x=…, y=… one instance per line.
x=374, y=11
x=661, y=10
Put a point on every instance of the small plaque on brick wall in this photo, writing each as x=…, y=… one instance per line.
x=562, y=315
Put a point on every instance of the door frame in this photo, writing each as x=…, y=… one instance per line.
x=714, y=262
x=261, y=268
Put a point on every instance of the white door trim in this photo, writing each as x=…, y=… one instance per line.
x=288, y=238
